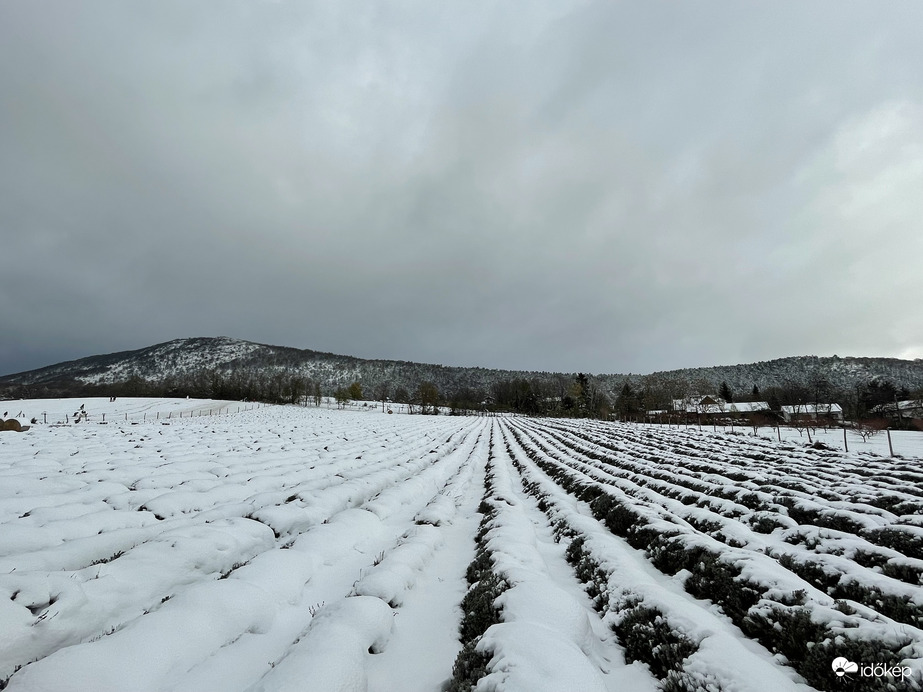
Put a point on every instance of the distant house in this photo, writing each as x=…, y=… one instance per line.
x=747, y=408
x=812, y=412
x=699, y=403
x=900, y=410
x=716, y=407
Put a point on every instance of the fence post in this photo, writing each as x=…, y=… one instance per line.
x=890, y=448
x=845, y=443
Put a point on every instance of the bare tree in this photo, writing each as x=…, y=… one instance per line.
x=381, y=393
x=867, y=428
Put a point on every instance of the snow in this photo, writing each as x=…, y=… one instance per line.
x=189, y=545
x=332, y=654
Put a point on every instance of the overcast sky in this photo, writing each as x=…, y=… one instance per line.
x=571, y=186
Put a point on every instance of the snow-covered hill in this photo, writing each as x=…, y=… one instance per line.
x=182, y=359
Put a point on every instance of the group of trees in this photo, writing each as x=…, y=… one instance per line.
x=542, y=394
x=652, y=393
x=579, y=396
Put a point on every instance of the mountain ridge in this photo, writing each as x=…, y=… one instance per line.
x=186, y=357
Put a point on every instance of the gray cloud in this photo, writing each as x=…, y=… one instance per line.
x=585, y=186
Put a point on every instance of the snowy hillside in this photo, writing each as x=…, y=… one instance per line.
x=182, y=360
x=195, y=546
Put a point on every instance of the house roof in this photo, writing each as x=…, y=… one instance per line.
x=906, y=405
x=702, y=404
x=748, y=407
x=699, y=403
x=813, y=408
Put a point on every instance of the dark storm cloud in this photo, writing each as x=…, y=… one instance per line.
x=595, y=186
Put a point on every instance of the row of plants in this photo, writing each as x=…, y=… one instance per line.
x=479, y=609
x=641, y=613
x=807, y=628
x=815, y=477
x=832, y=475
x=767, y=516
x=643, y=631
x=839, y=580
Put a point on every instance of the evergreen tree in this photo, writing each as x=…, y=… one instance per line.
x=627, y=403
x=726, y=393
x=774, y=402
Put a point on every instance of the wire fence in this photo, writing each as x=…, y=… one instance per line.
x=83, y=416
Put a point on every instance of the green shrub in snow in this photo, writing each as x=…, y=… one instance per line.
x=594, y=578
x=646, y=636
x=718, y=581
x=683, y=681
x=764, y=522
x=896, y=569
x=478, y=606
x=811, y=646
x=895, y=606
x=470, y=666
x=895, y=538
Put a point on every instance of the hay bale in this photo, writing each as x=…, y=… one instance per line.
x=12, y=424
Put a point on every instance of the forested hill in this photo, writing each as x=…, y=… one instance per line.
x=224, y=366
x=838, y=373
x=185, y=364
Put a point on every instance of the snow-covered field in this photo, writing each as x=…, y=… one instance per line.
x=906, y=443
x=189, y=545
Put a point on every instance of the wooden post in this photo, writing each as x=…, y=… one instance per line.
x=779, y=433
x=845, y=443
x=890, y=448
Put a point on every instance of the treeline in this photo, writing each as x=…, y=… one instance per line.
x=577, y=396
x=657, y=393
x=546, y=394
